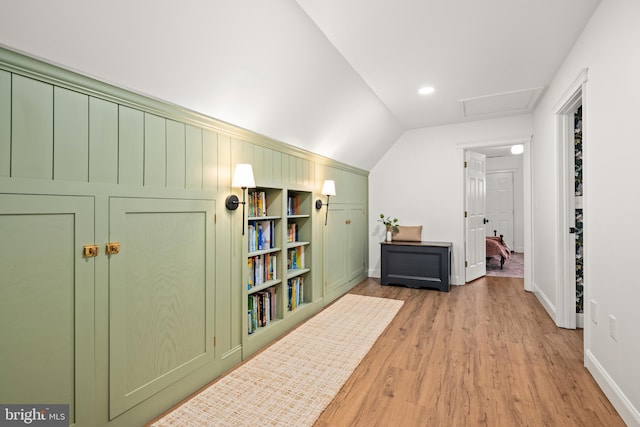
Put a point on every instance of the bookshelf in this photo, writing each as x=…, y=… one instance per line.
x=298, y=249
x=277, y=275
x=264, y=255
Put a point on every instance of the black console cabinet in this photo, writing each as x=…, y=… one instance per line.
x=416, y=264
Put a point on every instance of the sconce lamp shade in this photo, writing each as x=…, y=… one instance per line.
x=328, y=188
x=243, y=176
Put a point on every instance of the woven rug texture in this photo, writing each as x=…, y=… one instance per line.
x=513, y=267
x=292, y=381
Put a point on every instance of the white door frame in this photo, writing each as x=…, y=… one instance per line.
x=566, y=275
x=527, y=184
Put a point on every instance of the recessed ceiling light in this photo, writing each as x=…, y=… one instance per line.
x=426, y=90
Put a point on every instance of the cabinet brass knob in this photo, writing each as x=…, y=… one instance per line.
x=90, y=251
x=113, y=248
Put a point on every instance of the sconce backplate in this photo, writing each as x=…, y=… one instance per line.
x=232, y=202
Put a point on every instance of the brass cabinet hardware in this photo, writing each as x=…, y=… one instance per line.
x=348, y=221
x=113, y=248
x=90, y=251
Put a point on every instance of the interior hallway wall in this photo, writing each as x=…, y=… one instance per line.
x=608, y=48
x=420, y=180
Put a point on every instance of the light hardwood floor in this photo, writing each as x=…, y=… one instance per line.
x=484, y=354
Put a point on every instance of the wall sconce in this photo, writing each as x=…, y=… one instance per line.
x=243, y=178
x=328, y=189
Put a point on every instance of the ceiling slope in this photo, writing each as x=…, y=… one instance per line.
x=263, y=66
x=338, y=78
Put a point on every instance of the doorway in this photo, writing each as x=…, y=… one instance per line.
x=573, y=286
x=503, y=149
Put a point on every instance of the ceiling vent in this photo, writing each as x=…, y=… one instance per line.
x=517, y=101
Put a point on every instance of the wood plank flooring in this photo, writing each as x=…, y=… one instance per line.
x=484, y=354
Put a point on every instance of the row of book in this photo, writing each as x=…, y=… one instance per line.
x=295, y=258
x=292, y=232
x=293, y=205
x=261, y=309
x=295, y=289
x=262, y=268
x=261, y=235
x=257, y=203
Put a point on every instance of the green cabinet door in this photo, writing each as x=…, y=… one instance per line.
x=161, y=293
x=345, y=246
x=46, y=303
x=357, y=241
x=336, y=252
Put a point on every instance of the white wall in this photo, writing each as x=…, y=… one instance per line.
x=420, y=180
x=609, y=48
x=513, y=164
x=260, y=65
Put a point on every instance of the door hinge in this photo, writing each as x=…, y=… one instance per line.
x=215, y=218
x=466, y=264
x=214, y=340
x=465, y=164
x=465, y=214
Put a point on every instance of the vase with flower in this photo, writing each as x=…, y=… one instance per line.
x=390, y=224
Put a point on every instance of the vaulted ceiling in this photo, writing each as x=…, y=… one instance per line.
x=336, y=77
x=483, y=58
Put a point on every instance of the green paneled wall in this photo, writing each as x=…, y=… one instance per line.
x=175, y=154
x=155, y=151
x=5, y=123
x=130, y=146
x=193, y=158
x=31, y=128
x=103, y=141
x=70, y=135
x=65, y=134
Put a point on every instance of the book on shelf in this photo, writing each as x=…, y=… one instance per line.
x=262, y=268
x=261, y=309
x=295, y=258
x=293, y=205
x=261, y=235
x=295, y=292
x=292, y=232
x=257, y=203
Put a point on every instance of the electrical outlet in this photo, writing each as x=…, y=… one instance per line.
x=613, y=327
x=594, y=311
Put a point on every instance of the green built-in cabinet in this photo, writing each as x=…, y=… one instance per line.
x=162, y=293
x=123, y=336
x=46, y=303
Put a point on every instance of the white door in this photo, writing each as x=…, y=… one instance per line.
x=475, y=218
x=500, y=205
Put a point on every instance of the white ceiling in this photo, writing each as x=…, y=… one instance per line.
x=499, y=55
x=334, y=77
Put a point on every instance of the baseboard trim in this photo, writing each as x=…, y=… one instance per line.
x=546, y=303
x=580, y=320
x=618, y=399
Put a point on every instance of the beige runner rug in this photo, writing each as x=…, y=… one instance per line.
x=292, y=381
